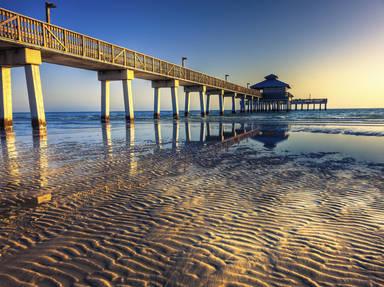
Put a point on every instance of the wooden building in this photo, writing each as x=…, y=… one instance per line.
x=275, y=95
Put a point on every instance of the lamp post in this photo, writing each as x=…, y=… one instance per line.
x=183, y=59
x=48, y=6
x=248, y=85
x=226, y=77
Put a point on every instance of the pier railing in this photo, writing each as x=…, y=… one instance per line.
x=309, y=101
x=29, y=32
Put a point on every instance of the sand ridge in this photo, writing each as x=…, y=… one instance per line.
x=194, y=216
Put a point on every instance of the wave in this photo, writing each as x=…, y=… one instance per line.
x=339, y=131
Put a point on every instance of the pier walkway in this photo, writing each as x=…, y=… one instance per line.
x=309, y=102
x=28, y=42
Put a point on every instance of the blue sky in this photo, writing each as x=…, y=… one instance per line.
x=326, y=48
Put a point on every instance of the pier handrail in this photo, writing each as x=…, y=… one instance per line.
x=22, y=30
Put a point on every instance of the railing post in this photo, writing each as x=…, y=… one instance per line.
x=144, y=63
x=98, y=50
x=65, y=40
x=18, y=28
x=83, y=45
x=44, y=36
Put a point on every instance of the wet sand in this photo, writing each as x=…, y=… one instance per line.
x=177, y=214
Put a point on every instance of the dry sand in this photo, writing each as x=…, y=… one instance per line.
x=197, y=216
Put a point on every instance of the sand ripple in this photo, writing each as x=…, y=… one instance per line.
x=195, y=216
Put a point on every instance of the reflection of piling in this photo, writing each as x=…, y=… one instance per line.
x=9, y=153
x=221, y=131
x=130, y=134
x=234, y=129
x=41, y=159
x=106, y=135
x=130, y=142
x=157, y=127
x=208, y=130
x=175, y=134
x=202, y=132
x=187, y=132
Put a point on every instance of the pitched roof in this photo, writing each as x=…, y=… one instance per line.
x=270, y=82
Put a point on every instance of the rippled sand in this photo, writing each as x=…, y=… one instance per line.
x=215, y=215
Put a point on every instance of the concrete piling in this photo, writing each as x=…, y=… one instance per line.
x=5, y=99
x=35, y=96
x=105, y=94
x=173, y=85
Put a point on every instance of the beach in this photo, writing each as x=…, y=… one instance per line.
x=278, y=199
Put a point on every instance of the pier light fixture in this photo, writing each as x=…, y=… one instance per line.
x=226, y=77
x=183, y=59
x=48, y=7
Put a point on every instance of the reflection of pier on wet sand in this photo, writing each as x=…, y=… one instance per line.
x=208, y=132
x=35, y=183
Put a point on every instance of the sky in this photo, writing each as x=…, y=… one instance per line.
x=328, y=48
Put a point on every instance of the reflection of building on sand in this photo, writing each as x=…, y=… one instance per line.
x=271, y=136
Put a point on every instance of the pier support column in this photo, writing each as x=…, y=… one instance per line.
x=220, y=93
x=242, y=104
x=208, y=102
x=201, y=90
x=202, y=102
x=234, y=104
x=175, y=102
x=128, y=97
x=173, y=84
x=221, y=102
x=156, y=105
x=186, y=105
x=29, y=59
x=126, y=77
x=35, y=96
x=128, y=101
x=5, y=99
x=105, y=94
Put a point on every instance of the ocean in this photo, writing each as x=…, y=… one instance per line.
x=261, y=199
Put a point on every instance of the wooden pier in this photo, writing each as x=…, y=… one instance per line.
x=28, y=42
x=309, y=103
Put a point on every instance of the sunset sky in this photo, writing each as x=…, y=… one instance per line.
x=332, y=49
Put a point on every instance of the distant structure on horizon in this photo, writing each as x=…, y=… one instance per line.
x=275, y=96
x=273, y=89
